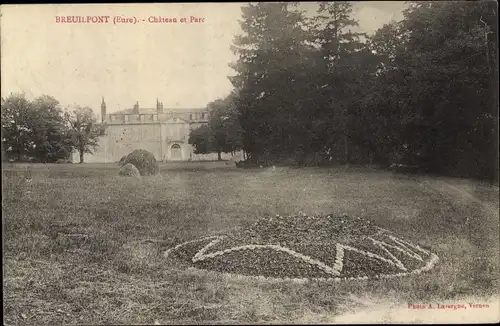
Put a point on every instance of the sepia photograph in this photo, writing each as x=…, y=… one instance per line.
x=250, y=163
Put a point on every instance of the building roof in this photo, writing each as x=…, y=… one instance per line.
x=165, y=110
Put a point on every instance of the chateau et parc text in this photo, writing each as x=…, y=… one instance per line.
x=127, y=20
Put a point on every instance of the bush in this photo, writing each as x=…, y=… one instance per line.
x=144, y=161
x=122, y=160
x=129, y=170
x=62, y=161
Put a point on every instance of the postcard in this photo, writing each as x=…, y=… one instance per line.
x=250, y=163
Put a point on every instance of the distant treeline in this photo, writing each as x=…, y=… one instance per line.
x=422, y=91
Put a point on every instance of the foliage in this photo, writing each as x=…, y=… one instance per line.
x=223, y=132
x=272, y=78
x=40, y=131
x=17, y=115
x=4, y=156
x=199, y=138
x=34, y=130
x=129, y=170
x=419, y=91
x=84, y=131
x=437, y=87
x=144, y=161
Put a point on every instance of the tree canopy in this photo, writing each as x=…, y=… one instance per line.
x=223, y=132
x=420, y=91
x=41, y=131
x=83, y=130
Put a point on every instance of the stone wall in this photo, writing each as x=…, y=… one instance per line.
x=213, y=156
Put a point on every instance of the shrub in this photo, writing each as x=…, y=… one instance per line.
x=144, y=161
x=62, y=161
x=129, y=170
x=122, y=160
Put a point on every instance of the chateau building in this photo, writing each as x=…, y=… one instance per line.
x=163, y=132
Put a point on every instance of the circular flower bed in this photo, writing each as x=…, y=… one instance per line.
x=303, y=248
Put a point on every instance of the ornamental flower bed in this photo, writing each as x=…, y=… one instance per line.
x=306, y=248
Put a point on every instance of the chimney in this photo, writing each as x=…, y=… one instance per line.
x=103, y=110
x=159, y=106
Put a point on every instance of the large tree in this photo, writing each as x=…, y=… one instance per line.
x=51, y=132
x=346, y=65
x=271, y=72
x=17, y=121
x=223, y=132
x=34, y=130
x=84, y=131
x=199, y=138
x=422, y=91
x=436, y=86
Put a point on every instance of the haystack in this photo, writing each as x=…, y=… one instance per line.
x=144, y=161
x=120, y=163
x=129, y=170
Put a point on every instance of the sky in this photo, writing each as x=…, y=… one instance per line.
x=184, y=65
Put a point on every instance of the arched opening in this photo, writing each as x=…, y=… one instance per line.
x=175, y=152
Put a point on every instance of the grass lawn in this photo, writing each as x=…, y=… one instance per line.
x=115, y=272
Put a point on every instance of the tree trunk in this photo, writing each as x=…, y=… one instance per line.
x=346, y=150
x=21, y=148
x=81, y=155
x=219, y=158
x=486, y=32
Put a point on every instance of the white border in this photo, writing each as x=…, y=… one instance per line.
x=334, y=271
x=434, y=259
